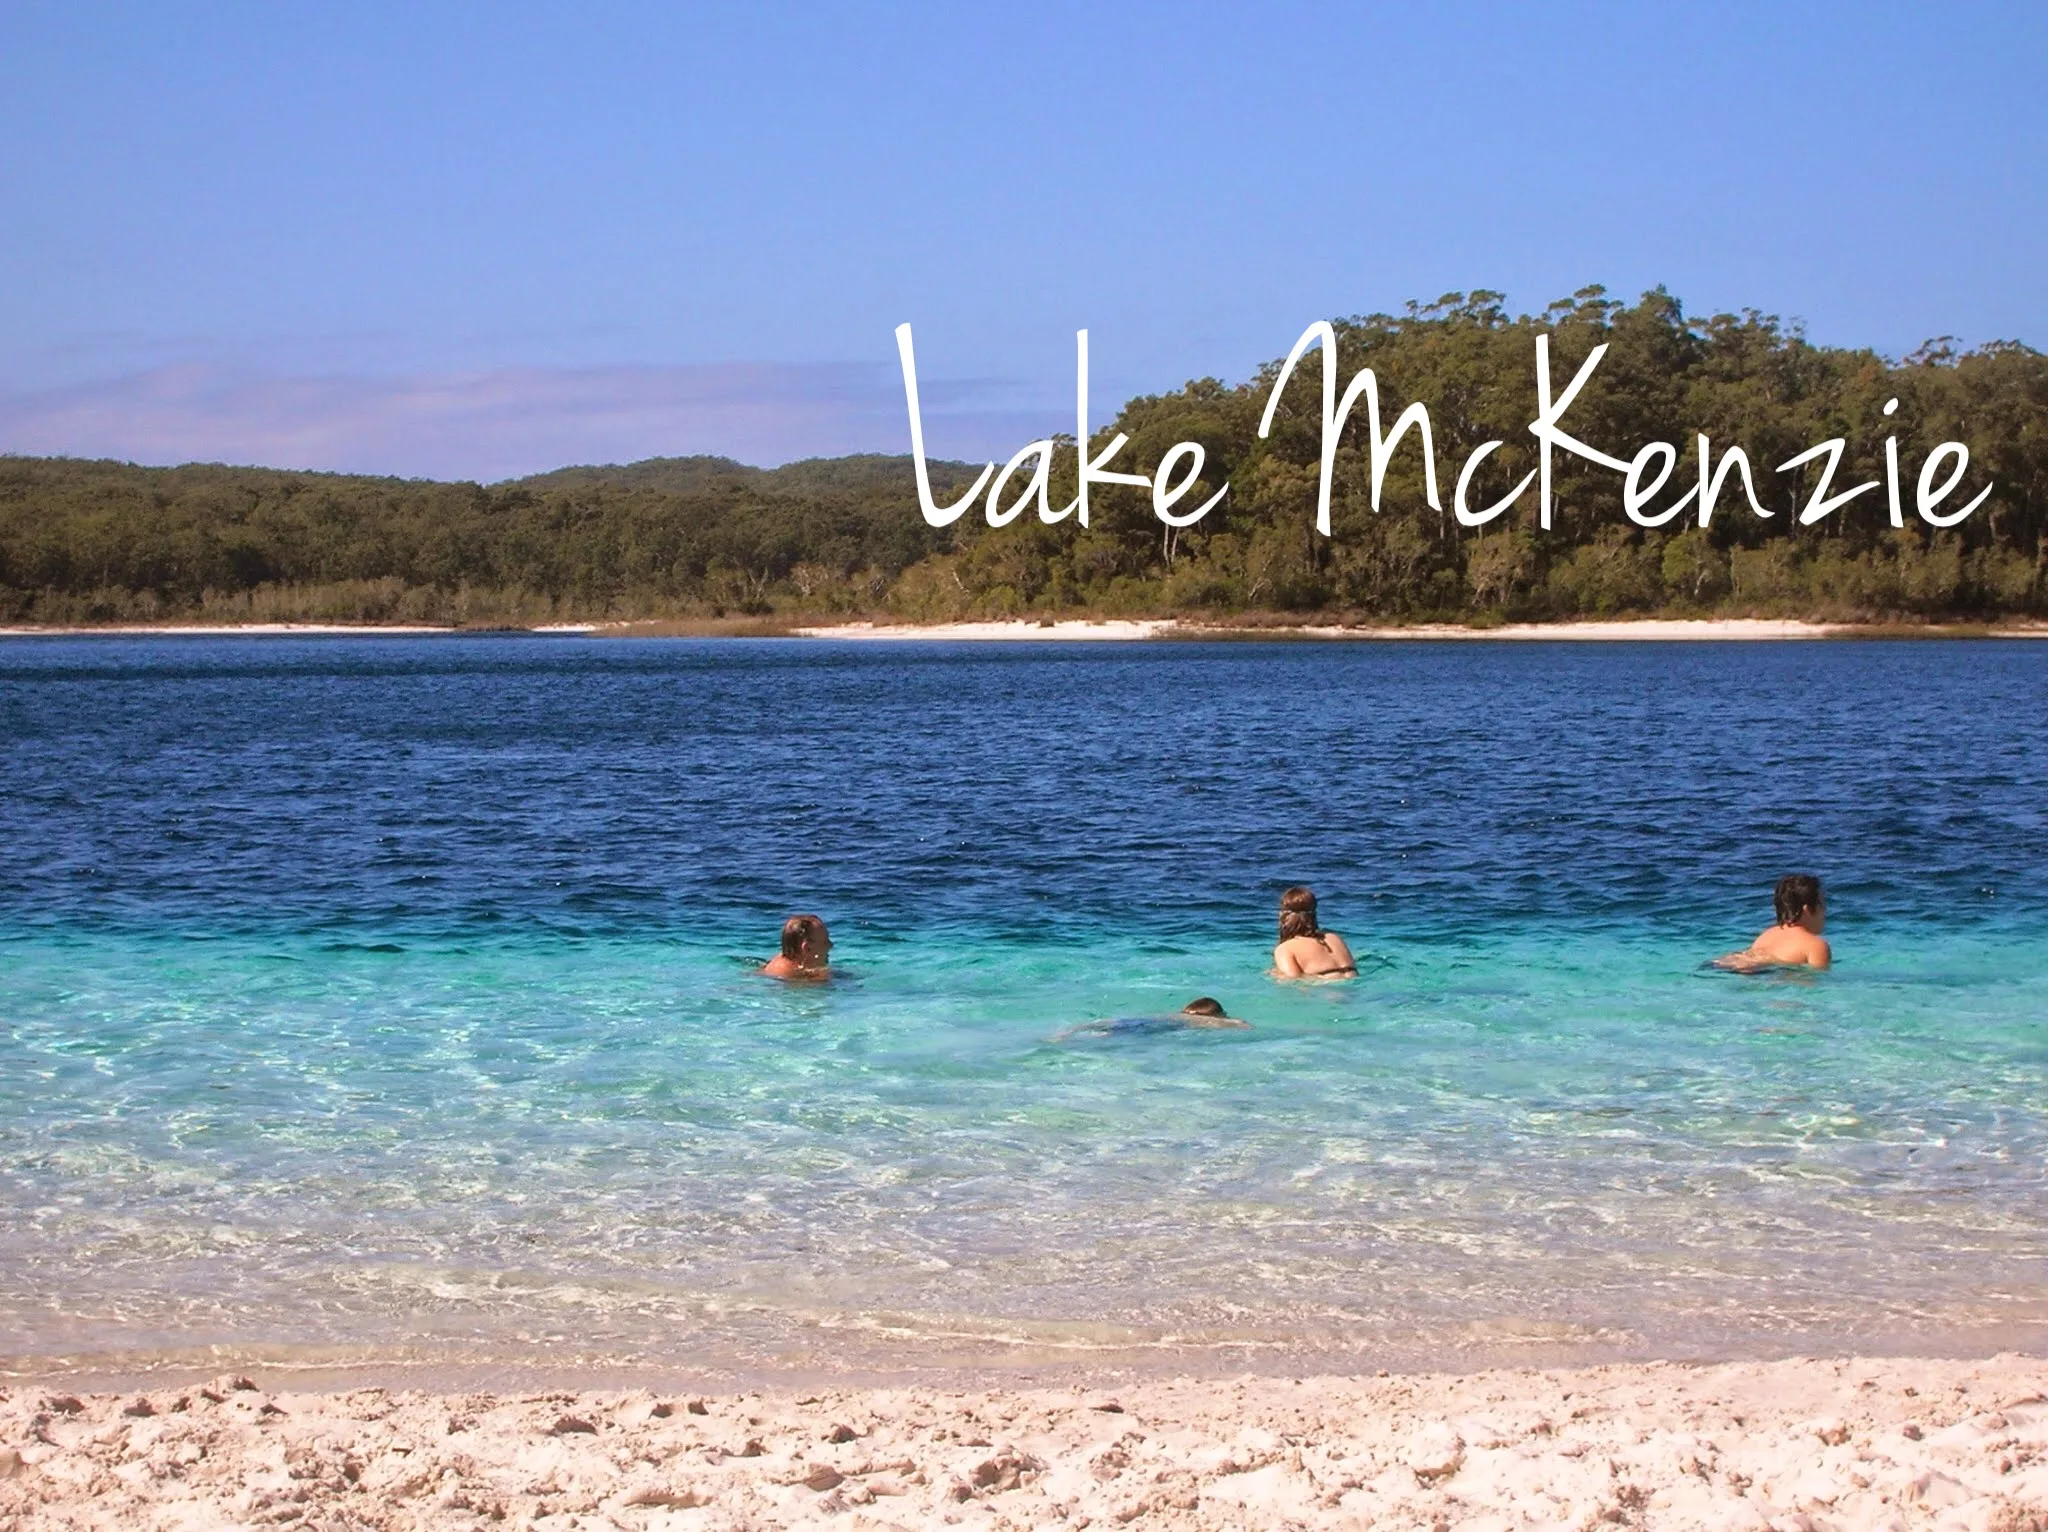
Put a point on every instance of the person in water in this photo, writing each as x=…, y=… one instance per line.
x=1205, y=1012
x=1306, y=950
x=806, y=950
x=1795, y=941
x=1201, y=1013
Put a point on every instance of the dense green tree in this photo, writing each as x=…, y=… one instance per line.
x=705, y=536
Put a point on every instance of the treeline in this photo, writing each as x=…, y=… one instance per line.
x=85, y=542
x=1742, y=380
x=82, y=542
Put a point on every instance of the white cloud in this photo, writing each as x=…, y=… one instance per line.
x=512, y=421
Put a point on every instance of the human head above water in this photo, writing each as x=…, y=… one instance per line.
x=805, y=940
x=1298, y=913
x=1203, y=1007
x=1796, y=893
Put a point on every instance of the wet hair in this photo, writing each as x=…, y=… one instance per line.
x=1796, y=893
x=800, y=933
x=1203, y=1007
x=1298, y=913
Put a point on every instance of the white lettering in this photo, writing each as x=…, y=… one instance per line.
x=1891, y=469
x=1042, y=450
x=1335, y=414
x=1091, y=472
x=1164, y=498
x=1712, y=477
x=935, y=515
x=1820, y=505
x=1469, y=518
x=1926, y=497
x=1634, y=496
x=1548, y=413
x=1643, y=477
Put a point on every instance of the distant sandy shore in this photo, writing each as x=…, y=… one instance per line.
x=260, y=630
x=1036, y=632
x=1813, y=1445
x=1107, y=630
x=1716, y=628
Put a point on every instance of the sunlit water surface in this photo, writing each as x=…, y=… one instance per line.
x=394, y=997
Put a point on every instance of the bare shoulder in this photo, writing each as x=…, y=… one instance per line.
x=794, y=973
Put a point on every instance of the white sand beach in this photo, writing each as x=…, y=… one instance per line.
x=1103, y=630
x=1812, y=1445
x=1127, y=629
x=1714, y=629
x=1031, y=630
x=218, y=630
x=270, y=630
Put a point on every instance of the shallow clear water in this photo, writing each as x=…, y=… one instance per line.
x=391, y=996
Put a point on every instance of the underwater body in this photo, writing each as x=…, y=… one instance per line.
x=395, y=997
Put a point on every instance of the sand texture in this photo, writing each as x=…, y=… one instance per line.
x=1717, y=629
x=1027, y=630
x=1797, y=1444
x=224, y=630
x=1031, y=631
x=1693, y=630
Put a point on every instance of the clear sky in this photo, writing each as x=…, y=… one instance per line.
x=479, y=240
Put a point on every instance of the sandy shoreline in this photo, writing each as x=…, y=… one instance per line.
x=1110, y=630
x=1814, y=1445
x=1650, y=629
x=1653, y=630
x=267, y=630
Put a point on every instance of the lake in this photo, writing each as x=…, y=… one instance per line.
x=394, y=997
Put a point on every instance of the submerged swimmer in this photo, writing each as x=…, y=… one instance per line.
x=806, y=950
x=1200, y=1013
x=1306, y=950
x=1795, y=941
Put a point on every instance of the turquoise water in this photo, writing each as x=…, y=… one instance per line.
x=391, y=997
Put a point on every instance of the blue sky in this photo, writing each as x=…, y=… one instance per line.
x=484, y=240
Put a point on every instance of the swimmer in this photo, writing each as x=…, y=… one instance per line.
x=806, y=949
x=1306, y=950
x=1205, y=1012
x=1795, y=941
x=1196, y=1014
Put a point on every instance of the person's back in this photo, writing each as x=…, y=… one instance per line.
x=1795, y=941
x=1306, y=950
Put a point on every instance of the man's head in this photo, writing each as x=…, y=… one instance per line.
x=805, y=940
x=1203, y=1007
x=1798, y=901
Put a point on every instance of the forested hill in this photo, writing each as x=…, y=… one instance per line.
x=705, y=536
x=111, y=542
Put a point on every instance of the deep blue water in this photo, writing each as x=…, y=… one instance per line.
x=392, y=994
